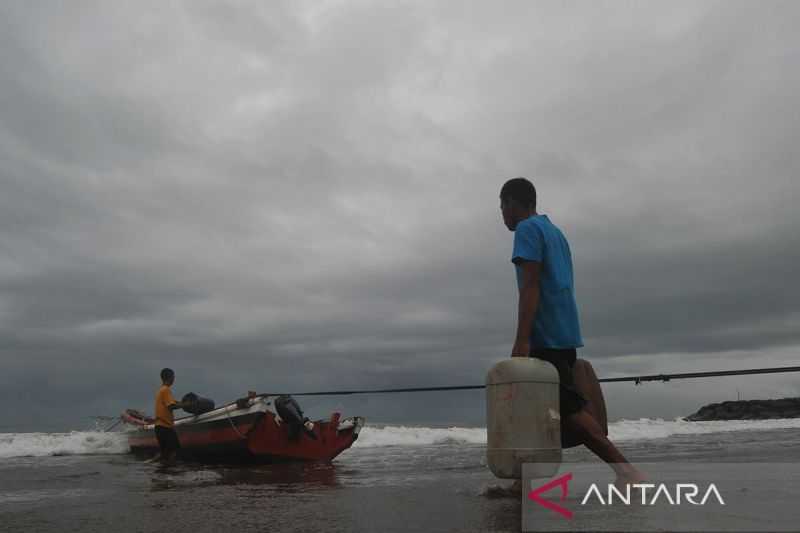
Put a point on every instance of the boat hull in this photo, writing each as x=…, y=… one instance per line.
x=252, y=433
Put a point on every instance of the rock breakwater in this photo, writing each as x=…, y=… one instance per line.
x=748, y=410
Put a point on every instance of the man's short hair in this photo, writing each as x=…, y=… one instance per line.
x=519, y=190
x=166, y=374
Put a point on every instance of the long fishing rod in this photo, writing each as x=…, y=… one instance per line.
x=688, y=375
x=636, y=379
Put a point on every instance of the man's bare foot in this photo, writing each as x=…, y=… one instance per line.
x=513, y=490
x=630, y=476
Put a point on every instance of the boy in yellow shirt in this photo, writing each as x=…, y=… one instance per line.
x=164, y=424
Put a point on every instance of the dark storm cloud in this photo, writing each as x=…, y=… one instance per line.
x=292, y=196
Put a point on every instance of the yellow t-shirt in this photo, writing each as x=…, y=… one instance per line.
x=163, y=413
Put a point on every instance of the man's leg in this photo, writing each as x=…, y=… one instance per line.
x=586, y=428
x=586, y=384
x=161, y=445
x=172, y=445
x=166, y=445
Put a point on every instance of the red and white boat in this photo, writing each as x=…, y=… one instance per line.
x=248, y=429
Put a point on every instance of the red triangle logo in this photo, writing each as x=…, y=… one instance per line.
x=547, y=504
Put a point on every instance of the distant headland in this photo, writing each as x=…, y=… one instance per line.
x=748, y=410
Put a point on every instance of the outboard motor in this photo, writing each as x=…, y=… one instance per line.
x=197, y=405
x=290, y=412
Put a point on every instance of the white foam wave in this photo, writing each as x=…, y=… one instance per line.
x=623, y=430
x=73, y=443
x=97, y=442
x=418, y=436
x=648, y=428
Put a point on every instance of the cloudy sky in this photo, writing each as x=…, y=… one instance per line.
x=303, y=195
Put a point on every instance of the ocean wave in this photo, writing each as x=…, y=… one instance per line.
x=98, y=442
x=622, y=430
x=419, y=436
x=649, y=428
x=72, y=443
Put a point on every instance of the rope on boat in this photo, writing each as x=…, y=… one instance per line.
x=636, y=379
x=234, y=425
x=112, y=426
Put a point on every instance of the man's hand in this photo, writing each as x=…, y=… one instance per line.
x=521, y=349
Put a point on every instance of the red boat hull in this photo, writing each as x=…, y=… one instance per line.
x=252, y=436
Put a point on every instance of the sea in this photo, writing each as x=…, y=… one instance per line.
x=394, y=478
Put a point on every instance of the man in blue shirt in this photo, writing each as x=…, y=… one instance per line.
x=547, y=324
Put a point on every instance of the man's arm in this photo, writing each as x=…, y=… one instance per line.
x=173, y=404
x=528, y=304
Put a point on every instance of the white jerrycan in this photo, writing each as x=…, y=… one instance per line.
x=522, y=417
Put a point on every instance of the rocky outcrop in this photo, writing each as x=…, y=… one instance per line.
x=748, y=410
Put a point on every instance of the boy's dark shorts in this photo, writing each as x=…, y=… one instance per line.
x=570, y=399
x=167, y=439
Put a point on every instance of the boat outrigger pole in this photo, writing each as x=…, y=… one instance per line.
x=637, y=380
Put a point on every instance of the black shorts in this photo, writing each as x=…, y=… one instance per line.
x=570, y=399
x=167, y=439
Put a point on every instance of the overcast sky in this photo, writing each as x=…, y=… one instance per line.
x=304, y=195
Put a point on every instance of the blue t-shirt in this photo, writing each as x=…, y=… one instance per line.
x=556, y=323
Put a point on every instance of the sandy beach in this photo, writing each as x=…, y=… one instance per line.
x=394, y=479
